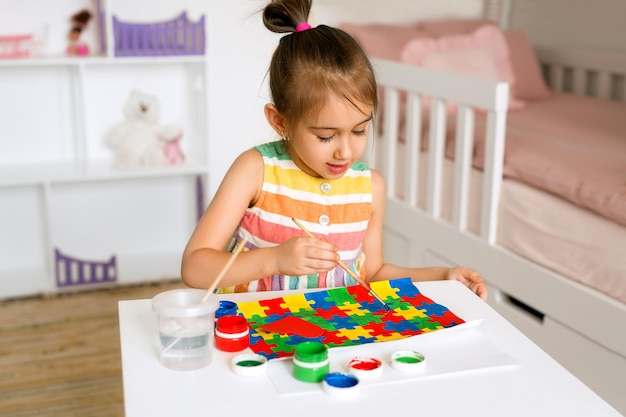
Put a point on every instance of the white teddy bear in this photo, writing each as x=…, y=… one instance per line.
x=140, y=140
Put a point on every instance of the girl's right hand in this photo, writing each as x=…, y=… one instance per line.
x=304, y=255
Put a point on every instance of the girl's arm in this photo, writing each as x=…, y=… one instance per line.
x=204, y=255
x=377, y=270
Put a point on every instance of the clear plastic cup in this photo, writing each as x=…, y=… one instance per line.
x=185, y=327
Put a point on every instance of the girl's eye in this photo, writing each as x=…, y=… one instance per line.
x=325, y=139
x=360, y=132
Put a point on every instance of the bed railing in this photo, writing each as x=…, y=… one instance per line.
x=420, y=86
x=584, y=72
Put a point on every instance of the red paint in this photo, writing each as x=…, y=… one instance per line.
x=232, y=323
x=364, y=364
x=384, y=314
x=293, y=325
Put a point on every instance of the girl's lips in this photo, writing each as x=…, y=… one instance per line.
x=337, y=169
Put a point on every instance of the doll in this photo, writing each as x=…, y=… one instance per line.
x=79, y=22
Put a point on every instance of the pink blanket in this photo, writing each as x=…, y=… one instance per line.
x=571, y=146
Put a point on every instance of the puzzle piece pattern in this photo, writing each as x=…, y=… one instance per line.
x=348, y=316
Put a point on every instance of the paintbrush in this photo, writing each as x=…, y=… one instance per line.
x=219, y=277
x=345, y=268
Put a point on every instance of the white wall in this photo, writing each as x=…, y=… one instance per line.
x=597, y=24
x=239, y=49
x=333, y=12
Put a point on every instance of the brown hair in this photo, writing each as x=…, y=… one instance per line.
x=80, y=20
x=308, y=64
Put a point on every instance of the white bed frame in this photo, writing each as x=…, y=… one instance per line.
x=580, y=327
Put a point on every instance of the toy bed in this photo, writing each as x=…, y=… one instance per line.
x=526, y=184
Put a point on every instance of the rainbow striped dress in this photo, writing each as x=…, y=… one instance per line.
x=336, y=210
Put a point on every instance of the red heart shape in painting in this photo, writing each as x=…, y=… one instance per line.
x=293, y=325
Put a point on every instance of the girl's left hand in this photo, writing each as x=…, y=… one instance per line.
x=469, y=277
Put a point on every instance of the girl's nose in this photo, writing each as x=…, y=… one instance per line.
x=344, y=149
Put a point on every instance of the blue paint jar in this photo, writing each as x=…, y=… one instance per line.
x=339, y=384
x=226, y=308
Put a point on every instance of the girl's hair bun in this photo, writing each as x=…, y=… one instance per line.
x=282, y=16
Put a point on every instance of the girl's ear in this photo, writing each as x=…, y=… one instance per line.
x=276, y=120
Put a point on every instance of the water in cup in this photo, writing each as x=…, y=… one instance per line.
x=185, y=326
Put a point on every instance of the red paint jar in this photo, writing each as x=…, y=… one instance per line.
x=364, y=367
x=232, y=333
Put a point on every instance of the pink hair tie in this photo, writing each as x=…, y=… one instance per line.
x=302, y=26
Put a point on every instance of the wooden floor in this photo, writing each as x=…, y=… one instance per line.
x=60, y=355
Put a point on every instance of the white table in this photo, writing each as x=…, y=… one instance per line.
x=535, y=386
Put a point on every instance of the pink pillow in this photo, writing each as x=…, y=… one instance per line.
x=482, y=53
x=382, y=40
x=529, y=82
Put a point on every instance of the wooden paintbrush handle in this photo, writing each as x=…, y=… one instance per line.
x=345, y=267
x=219, y=277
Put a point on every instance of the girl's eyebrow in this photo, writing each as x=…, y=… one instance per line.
x=368, y=119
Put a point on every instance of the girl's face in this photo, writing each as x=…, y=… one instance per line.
x=327, y=144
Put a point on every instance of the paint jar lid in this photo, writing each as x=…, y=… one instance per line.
x=311, y=352
x=364, y=367
x=226, y=308
x=249, y=364
x=232, y=324
x=341, y=385
x=408, y=361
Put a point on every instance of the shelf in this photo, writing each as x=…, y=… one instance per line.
x=71, y=172
x=99, y=60
x=59, y=186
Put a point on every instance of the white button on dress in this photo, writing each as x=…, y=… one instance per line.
x=325, y=187
x=324, y=220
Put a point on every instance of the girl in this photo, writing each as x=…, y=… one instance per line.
x=324, y=96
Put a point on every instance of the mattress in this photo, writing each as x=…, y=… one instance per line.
x=546, y=229
x=571, y=146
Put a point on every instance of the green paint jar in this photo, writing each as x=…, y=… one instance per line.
x=310, y=362
x=249, y=364
x=408, y=361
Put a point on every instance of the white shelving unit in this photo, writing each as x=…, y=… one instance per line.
x=59, y=188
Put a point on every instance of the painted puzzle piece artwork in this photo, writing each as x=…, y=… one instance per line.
x=343, y=316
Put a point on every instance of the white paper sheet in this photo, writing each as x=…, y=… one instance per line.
x=450, y=351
